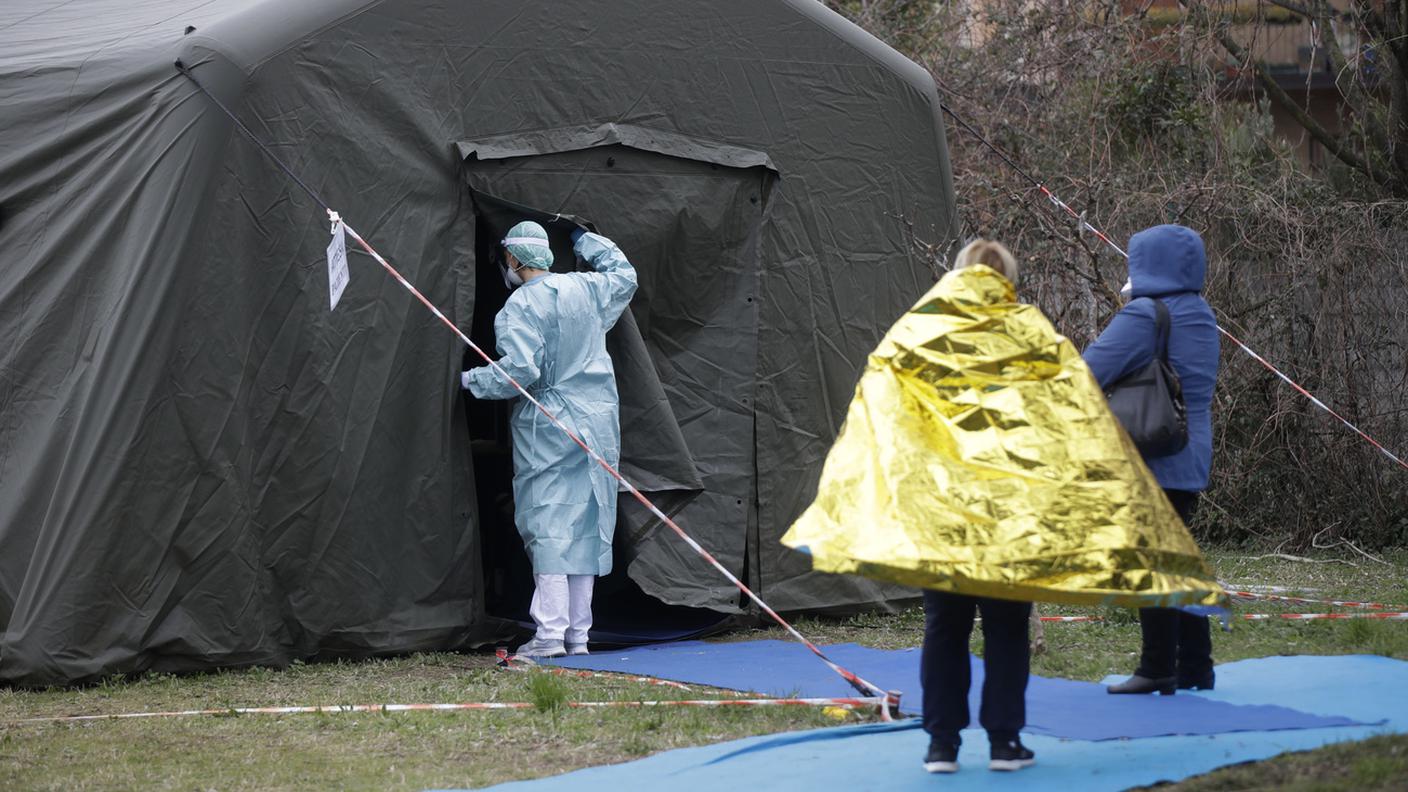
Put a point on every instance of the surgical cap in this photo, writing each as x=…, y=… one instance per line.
x=528, y=243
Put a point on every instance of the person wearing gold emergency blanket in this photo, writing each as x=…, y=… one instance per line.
x=979, y=458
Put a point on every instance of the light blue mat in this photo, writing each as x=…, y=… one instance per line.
x=1055, y=707
x=888, y=756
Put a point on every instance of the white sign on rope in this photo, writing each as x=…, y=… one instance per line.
x=338, y=276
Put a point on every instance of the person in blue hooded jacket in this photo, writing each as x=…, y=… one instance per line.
x=551, y=335
x=1168, y=263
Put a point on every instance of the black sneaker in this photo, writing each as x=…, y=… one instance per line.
x=1008, y=756
x=941, y=758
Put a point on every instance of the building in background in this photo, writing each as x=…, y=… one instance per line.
x=1291, y=49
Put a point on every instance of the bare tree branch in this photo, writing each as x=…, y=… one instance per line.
x=1132, y=119
x=1335, y=145
x=1295, y=8
x=1360, y=102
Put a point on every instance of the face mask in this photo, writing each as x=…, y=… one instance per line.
x=512, y=279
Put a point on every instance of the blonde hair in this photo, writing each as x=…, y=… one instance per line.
x=993, y=254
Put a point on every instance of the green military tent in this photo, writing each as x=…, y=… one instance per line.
x=201, y=465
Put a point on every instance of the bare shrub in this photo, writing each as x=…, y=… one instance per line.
x=1136, y=125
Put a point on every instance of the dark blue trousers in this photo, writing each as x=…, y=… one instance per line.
x=1175, y=643
x=946, y=674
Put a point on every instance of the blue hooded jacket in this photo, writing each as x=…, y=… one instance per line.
x=1167, y=262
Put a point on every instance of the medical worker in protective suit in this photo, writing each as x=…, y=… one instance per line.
x=552, y=340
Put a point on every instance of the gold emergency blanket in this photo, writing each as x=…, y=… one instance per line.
x=979, y=457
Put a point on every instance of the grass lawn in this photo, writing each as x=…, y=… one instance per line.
x=464, y=749
x=1379, y=764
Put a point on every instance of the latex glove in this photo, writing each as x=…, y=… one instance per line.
x=577, y=234
x=464, y=380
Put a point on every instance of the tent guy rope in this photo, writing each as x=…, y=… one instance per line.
x=862, y=686
x=1084, y=224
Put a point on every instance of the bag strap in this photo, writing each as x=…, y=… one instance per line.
x=1161, y=329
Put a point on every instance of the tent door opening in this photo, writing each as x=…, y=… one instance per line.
x=626, y=614
x=689, y=214
x=507, y=573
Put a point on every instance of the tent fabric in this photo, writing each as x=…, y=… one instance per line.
x=201, y=466
x=556, y=141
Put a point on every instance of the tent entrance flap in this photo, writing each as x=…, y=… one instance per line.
x=654, y=455
x=507, y=573
x=689, y=215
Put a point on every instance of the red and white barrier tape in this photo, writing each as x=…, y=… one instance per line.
x=861, y=685
x=1385, y=615
x=1253, y=595
x=573, y=672
x=1080, y=218
x=880, y=703
x=510, y=662
x=1264, y=589
x=1307, y=394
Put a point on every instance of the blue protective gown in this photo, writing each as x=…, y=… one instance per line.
x=552, y=339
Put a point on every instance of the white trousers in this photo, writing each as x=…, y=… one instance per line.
x=562, y=607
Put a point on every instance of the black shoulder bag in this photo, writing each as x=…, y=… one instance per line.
x=1149, y=402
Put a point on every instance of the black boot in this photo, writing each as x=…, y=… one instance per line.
x=1203, y=682
x=1141, y=685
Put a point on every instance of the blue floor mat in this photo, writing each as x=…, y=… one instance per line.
x=1055, y=707
x=888, y=756
x=625, y=633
